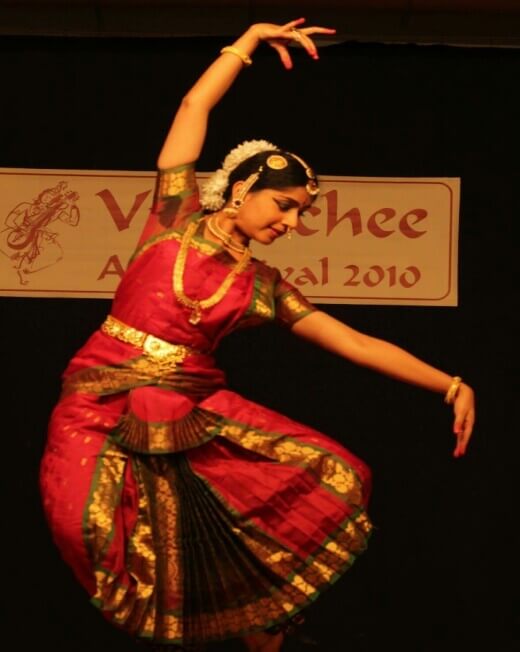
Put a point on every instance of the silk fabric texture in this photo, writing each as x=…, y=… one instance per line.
x=187, y=512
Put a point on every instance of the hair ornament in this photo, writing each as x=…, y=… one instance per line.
x=212, y=193
x=277, y=162
x=312, y=185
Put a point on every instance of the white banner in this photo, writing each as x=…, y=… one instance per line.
x=70, y=233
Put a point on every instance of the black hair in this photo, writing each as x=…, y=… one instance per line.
x=291, y=176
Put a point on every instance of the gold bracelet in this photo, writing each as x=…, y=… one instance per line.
x=453, y=390
x=245, y=58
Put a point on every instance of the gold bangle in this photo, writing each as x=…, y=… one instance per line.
x=245, y=58
x=453, y=390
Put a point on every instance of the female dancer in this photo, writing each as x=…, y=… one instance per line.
x=188, y=513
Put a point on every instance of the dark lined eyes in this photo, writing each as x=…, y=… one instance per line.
x=285, y=206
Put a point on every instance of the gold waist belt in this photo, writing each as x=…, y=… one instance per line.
x=157, y=349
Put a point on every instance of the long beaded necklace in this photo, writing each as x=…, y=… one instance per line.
x=197, y=306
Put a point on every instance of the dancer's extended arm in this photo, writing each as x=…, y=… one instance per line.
x=391, y=360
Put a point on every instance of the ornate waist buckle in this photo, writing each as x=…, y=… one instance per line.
x=157, y=349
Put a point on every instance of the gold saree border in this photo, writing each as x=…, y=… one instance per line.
x=148, y=610
x=330, y=470
x=304, y=579
x=157, y=437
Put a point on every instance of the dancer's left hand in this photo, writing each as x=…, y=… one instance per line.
x=464, y=410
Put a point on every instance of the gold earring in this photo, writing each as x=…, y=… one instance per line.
x=289, y=232
x=238, y=201
x=232, y=210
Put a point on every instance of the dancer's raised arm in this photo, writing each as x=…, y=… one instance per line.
x=185, y=139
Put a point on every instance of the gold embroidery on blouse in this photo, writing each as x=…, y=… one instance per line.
x=261, y=306
x=199, y=244
x=263, y=303
x=292, y=306
x=274, y=298
x=175, y=182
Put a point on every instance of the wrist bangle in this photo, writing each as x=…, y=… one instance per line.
x=245, y=58
x=453, y=390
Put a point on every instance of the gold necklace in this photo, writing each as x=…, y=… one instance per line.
x=195, y=305
x=223, y=236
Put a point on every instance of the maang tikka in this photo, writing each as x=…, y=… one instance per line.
x=274, y=162
x=279, y=162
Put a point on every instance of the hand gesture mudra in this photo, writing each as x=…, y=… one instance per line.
x=280, y=37
x=464, y=411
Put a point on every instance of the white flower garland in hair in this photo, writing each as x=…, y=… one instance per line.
x=212, y=194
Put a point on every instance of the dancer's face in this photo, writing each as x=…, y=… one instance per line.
x=267, y=214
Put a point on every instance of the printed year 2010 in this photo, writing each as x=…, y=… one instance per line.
x=355, y=275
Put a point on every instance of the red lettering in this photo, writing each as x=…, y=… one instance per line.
x=372, y=279
x=353, y=214
x=373, y=226
x=324, y=270
x=287, y=272
x=112, y=267
x=375, y=275
x=406, y=228
x=354, y=271
x=115, y=211
x=308, y=276
x=415, y=275
x=301, y=229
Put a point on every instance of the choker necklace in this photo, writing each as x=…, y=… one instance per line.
x=197, y=306
x=224, y=236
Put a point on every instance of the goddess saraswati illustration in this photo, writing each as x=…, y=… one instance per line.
x=28, y=239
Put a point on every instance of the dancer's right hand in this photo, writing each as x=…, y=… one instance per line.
x=280, y=36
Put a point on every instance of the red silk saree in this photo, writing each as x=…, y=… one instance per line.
x=187, y=512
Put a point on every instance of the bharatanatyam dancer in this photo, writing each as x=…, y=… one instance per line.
x=189, y=513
